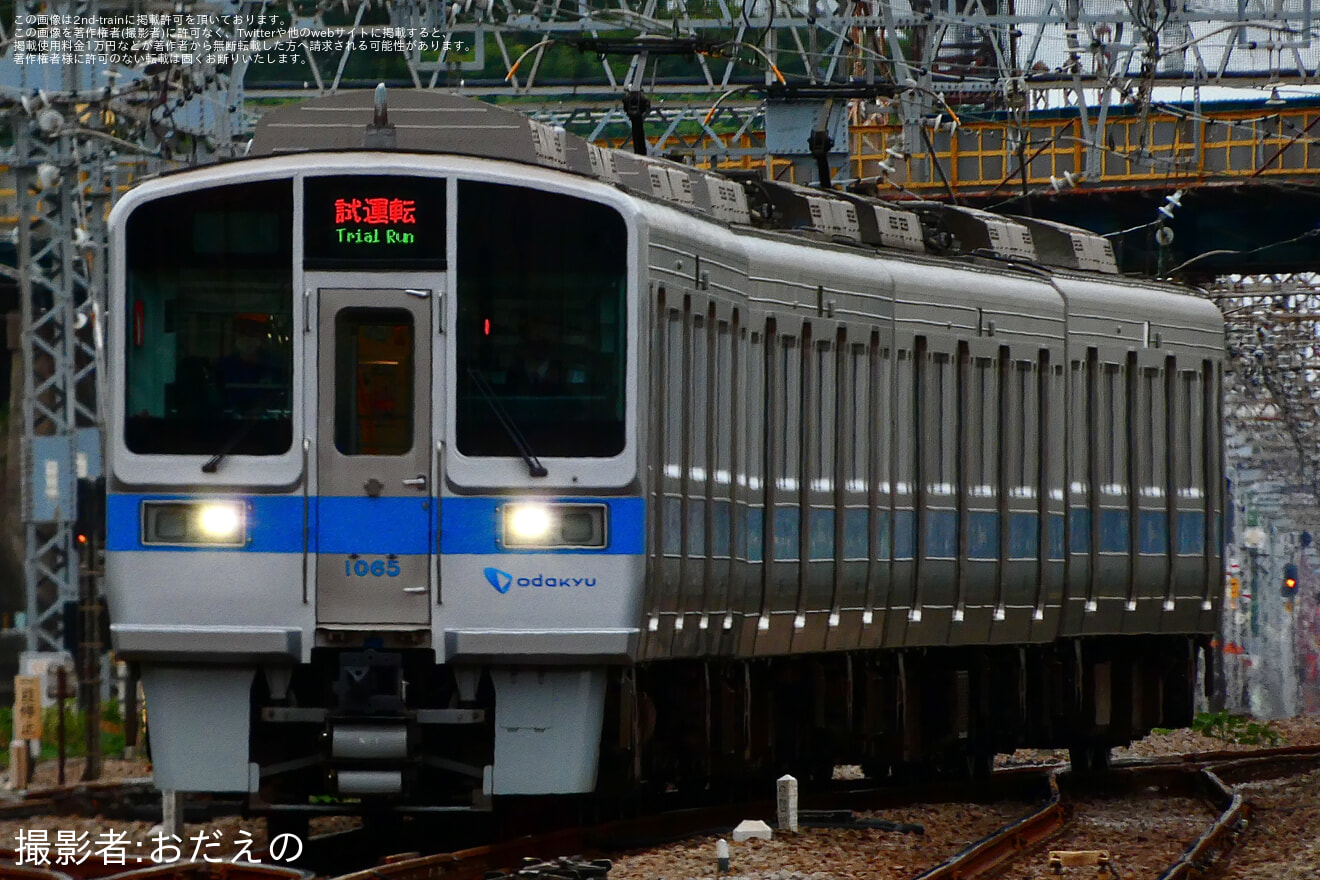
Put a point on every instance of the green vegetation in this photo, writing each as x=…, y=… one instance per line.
x=1238, y=729
x=112, y=731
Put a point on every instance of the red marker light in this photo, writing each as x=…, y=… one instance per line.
x=487, y=328
x=139, y=322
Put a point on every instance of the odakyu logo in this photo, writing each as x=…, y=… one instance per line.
x=502, y=581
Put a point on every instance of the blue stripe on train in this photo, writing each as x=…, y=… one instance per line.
x=357, y=524
x=1191, y=533
x=345, y=524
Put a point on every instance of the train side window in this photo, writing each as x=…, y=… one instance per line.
x=673, y=390
x=860, y=421
x=825, y=392
x=755, y=433
x=1080, y=431
x=374, y=399
x=904, y=421
x=944, y=411
x=857, y=422
x=821, y=445
x=983, y=428
x=786, y=395
x=1014, y=429
x=722, y=419
x=1161, y=410
x=1193, y=479
x=789, y=416
x=1028, y=391
x=1182, y=436
x=1150, y=434
x=695, y=414
x=883, y=447
x=1054, y=415
x=882, y=416
x=1111, y=432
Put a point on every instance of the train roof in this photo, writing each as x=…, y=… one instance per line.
x=411, y=121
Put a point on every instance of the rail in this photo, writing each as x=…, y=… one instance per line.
x=1005, y=845
x=978, y=859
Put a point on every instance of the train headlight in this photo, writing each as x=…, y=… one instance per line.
x=526, y=523
x=195, y=523
x=221, y=522
x=542, y=526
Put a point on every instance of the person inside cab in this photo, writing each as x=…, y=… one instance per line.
x=541, y=368
x=250, y=373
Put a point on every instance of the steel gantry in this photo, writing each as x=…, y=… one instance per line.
x=1272, y=433
x=1273, y=390
x=61, y=202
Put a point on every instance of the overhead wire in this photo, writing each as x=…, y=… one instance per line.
x=1310, y=233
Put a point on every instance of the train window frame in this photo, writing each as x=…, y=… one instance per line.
x=190, y=270
x=586, y=316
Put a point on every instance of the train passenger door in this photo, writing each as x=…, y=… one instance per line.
x=375, y=516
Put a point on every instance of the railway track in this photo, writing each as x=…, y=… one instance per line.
x=174, y=871
x=129, y=800
x=1057, y=794
x=983, y=858
x=1200, y=774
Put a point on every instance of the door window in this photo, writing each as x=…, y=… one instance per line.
x=374, y=381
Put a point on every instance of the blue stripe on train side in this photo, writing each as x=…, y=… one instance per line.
x=1023, y=535
x=339, y=524
x=1056, y=536
x=1153, y=532
x=983, y=535
x=359, y=524
x=1114, y=530
x=1191, y=533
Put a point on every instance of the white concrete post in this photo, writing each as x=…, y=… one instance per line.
x=171, y=813
x=787, y=796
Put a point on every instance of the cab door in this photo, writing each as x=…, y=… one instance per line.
x=374, y=514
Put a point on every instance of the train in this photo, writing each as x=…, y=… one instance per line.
x=453, y=459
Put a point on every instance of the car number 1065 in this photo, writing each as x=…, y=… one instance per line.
x=372, y=568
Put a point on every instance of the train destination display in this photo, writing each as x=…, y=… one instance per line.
x=367, y=219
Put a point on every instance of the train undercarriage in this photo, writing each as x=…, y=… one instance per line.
x=363, y=728
x=896, y=713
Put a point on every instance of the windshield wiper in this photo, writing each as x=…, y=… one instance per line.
x=534, y=466
x=213, y=463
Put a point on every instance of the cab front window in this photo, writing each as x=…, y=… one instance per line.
x=208, y=345
x=541, y=333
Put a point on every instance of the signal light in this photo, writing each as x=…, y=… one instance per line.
x=1290, y=580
